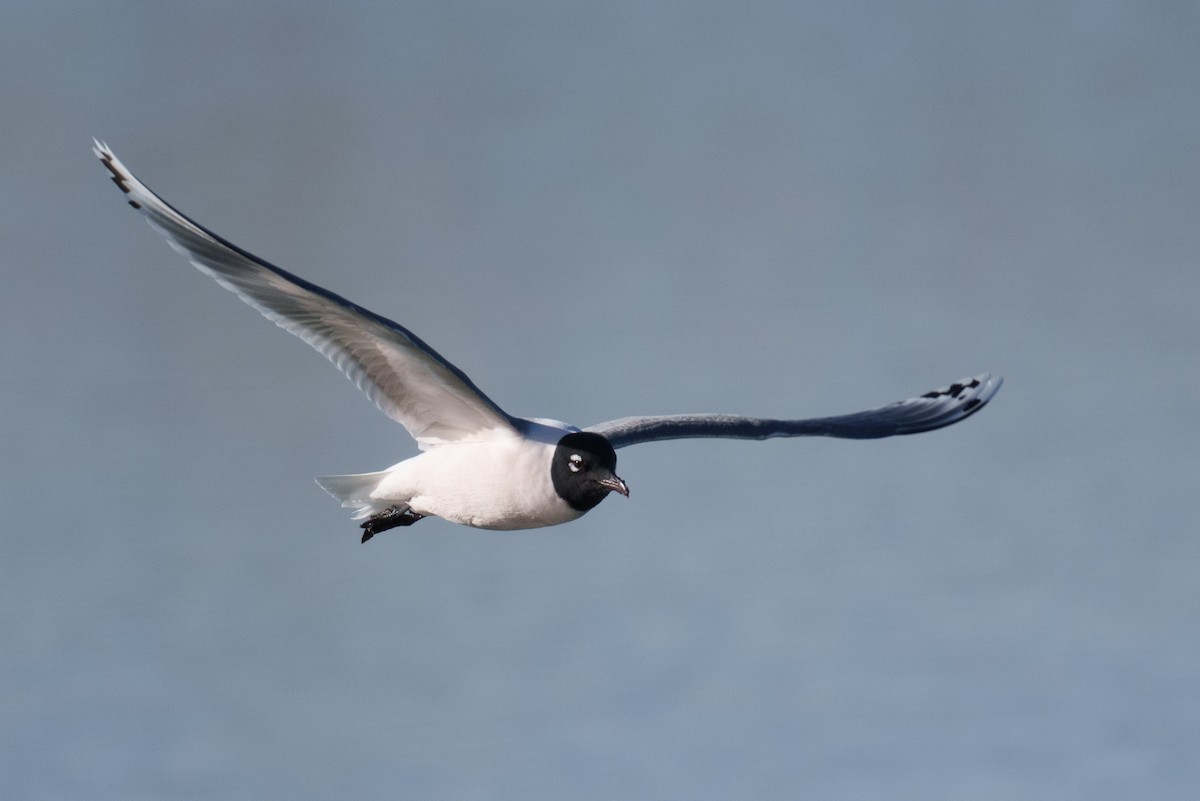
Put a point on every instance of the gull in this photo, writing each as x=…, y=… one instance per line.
x=479, y=465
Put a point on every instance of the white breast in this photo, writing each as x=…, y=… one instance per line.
x=502, y=483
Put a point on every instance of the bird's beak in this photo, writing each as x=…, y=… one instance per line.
x=615, y=484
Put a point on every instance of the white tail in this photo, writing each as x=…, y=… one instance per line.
x=354, y=491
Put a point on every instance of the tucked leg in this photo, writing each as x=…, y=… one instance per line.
x=391, y=517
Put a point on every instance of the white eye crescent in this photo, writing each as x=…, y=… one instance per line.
x=576, y=463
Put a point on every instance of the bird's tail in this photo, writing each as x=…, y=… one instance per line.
x=354, y=491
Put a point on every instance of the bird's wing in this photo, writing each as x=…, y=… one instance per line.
x=941, y=407
x=404, y=377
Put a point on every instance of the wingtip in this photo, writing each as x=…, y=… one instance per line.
x=989, y=386
x=120, y=176
x=964, y=397
x=980, y=387
x=984, y=387
x=101, y=150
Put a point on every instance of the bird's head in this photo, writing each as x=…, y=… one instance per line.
x=583, y=470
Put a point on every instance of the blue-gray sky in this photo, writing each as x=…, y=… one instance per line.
x=598, y=210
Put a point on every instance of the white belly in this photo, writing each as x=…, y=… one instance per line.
x=495, y=484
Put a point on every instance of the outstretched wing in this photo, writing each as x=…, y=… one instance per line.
x=941, y=407
x=404, y=377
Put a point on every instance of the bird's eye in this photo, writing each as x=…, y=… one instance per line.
x=576, y=463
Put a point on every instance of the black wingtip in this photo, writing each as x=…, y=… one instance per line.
x=955, y=390
x=119, y=177
x=106, y=159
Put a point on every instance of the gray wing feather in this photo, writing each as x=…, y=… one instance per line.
x=401, y=374
x=933, y=410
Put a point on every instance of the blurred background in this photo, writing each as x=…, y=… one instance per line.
x=602, y=209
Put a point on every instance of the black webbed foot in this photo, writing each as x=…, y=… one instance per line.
x=391, y=517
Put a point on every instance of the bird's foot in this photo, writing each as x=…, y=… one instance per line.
x=391, y=517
